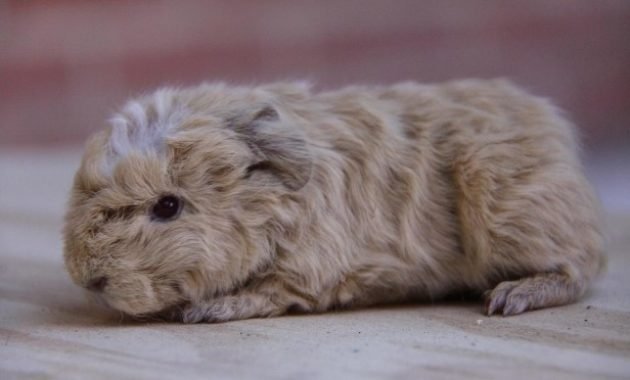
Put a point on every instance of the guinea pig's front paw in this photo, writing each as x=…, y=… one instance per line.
x=218, y=310
x=229, y=308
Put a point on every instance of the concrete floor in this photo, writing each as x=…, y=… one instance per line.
x=48, y=330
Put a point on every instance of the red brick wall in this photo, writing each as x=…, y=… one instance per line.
x=65, y=65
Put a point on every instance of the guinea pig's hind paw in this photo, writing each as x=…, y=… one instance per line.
x=543, y=290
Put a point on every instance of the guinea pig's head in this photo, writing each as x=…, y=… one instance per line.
x=178, y=199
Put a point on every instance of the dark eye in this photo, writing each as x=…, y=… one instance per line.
x=166, y=208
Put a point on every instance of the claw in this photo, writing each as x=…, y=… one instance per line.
x=496, y=298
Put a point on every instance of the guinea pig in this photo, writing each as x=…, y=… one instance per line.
x=225, y=203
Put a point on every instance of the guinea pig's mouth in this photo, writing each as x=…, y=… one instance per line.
x=157, y=302
x=171, y=313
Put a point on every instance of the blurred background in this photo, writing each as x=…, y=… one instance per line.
x=66, y=65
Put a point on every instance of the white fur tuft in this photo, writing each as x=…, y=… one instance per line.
x=143, y=126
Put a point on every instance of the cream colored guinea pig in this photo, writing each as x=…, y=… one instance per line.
x=218, y=203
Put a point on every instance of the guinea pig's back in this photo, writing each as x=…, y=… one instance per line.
x=523, y=201
x=452, y=186
x=497, y=186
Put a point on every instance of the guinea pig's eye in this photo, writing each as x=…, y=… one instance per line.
x=166, y=208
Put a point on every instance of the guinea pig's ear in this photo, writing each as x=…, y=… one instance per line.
x=278, y=147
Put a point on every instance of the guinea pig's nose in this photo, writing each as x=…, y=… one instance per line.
x=97, y=284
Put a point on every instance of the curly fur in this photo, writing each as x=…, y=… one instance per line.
x=295, y=200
